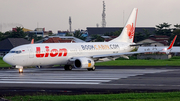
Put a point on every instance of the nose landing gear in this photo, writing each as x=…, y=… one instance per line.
x=20, y=70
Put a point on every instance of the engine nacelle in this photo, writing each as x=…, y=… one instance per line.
x=83, y=63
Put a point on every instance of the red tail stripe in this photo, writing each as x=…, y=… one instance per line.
x=172, y=43
x=135, y=24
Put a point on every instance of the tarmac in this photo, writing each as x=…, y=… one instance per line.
x=80, y=81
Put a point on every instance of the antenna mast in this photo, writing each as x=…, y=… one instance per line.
x=103, y=16
x=70, y=22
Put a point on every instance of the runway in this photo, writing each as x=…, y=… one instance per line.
x=81, y=80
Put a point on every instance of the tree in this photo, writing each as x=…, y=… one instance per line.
x=38, y=38
x=68, y=34
x=34, y=36
x=141, y=36
x=97, y=38
x=138, y=37
x=146, y=33
x=177, y=26
x=50, y=33
x=18, y=33
x=1, y=36
x=77, y=34
x=175, y=32
x=163, y=29
x=116, y=33
x=5, y=35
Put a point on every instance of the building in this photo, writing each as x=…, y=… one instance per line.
x=62, y=33
x=40, y=32
x=58, y=40
x=9, y=43
x=156, y=40
x=26, y=30
x=102, y=30
x=108, y=38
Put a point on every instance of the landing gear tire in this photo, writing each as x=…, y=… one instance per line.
x=68, y=67
x=20, y=70
x=92, y=69
x=38, y=67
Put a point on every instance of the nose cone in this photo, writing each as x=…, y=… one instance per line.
x=8, y=59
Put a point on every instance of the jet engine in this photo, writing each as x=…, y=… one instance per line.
x=83, y=63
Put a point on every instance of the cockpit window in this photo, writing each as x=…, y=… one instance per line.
x=12, y=51
x=17, y=52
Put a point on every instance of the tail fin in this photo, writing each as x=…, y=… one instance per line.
x=32, y=41
x=172, y=43
x=127, y=34
x=167, y=50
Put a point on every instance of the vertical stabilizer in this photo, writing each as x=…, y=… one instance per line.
x=172, y=43
x=32, y=41
x=127, y=34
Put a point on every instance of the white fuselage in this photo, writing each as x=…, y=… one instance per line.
x=60, y=53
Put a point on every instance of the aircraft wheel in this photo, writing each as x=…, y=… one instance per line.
x=38, y=67
x=92, y=69
x=68, y=67
x=20, y=70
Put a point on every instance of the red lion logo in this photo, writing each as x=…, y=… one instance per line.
x=130, y=31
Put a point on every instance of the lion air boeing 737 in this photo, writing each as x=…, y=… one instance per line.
x=79, y=55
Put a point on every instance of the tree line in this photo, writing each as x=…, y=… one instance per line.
x=19, y=33
x=161, y=29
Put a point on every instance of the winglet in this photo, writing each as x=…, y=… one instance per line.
x=172, y=43
x=32, y=41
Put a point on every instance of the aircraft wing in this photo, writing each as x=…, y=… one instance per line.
x=164, y=49
x=147, y=43
x=119, y=54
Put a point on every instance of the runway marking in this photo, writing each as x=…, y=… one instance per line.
x=145, y=85
x=51, y=82
x=57, y=80
x=7, y=78
x=46, y=76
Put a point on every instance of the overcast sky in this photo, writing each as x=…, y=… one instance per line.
x=54, y=14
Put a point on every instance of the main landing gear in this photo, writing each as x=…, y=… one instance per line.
x=68, y=67
x=92, y=69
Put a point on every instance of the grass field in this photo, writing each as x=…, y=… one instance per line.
x=169, y=62
x=3, y=64
x=167, y=96
x=175, y=61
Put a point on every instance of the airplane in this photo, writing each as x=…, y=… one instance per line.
x=77, y=55
x=164, y=49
